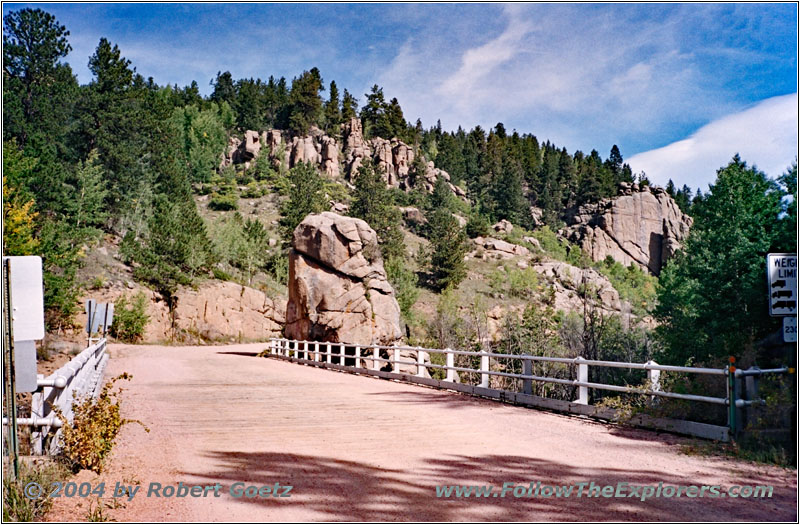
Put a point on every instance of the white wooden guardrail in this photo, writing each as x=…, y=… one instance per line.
x=365, y=359
x=82, y=376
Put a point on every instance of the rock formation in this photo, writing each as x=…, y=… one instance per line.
x=338, y=290
x=643, y=225
x=393, y=157
x=216, y=311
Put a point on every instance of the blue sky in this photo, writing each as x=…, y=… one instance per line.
x=679, y=87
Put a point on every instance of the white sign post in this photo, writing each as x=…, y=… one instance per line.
x=27, y=317
x=782, y=281
x=782, y=285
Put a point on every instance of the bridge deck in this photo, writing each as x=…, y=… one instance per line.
x=358, y=448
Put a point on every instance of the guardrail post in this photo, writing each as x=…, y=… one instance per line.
x=316, y=352
x=484, y=369
x=329, y=353
x=305, y=350
x=341, y=354
x=732, y=397
x=751, y=394
x=376, y=354
x=420, y=367
x=37, y=406
x=527, y=371
x=450, y=363
x=583, y=377
x=358, y=356
x=654, y=377
x=396, y=360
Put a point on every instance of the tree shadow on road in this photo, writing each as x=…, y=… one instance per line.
x=341, y=490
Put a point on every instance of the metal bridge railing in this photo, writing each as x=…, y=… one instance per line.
x=366, y=359
x=82, y=376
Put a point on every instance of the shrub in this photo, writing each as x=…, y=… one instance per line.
x=633, y=284
x=96, y=423
x=478, y=226
x=130, y=318
x=404, y=281
x=19, y=507
x=254, y=190
x=223, y=201
x=550, y=243
x=522, y=283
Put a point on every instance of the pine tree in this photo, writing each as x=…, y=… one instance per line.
x=373, y=202
x=333, y=114
x=349, y=106
x=450, y=245
x=718, y=281
x=307, y=196
x=305, y=102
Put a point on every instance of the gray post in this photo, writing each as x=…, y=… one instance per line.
x=376, y=365
x=420, y=367
x=583, y=377
x=396, y=360
x=484, y=370
x=527, y=383
x=751, y=394
x=451, y=362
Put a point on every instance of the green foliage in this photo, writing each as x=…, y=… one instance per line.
x=450, y=245
x=88, y=209
x=550, y=243
x=374, y=203
x=712, y=298
x=61, y=260
x=202, y=136
x=130, y=318
x=224, y=201
x=521, y=283
x=174, y=249
x=478, y=225
x=634, y=285
x=404, y=282
x=95, y=424
x=306, y=104
x=306, y=197
x=17, y=506
x=243, y=244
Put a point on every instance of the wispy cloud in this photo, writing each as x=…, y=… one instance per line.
x=764, y=135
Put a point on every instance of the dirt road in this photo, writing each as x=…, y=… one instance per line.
x=358, y=448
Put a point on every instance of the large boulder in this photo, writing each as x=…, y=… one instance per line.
x=643, y=226
x=338, y=290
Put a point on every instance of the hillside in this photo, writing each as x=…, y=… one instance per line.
x=489, y=237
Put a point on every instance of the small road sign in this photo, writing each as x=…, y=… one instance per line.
x=790, y=329
x=782, y=284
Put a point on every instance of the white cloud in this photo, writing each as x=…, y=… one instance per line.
x=764, y=135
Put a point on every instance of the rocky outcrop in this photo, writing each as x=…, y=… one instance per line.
x=338, y=290
x=217, y=311
x=643, y=226
x=497, y=249
x=566, y=280
x=394, y=158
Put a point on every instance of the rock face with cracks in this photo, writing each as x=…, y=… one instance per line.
x=338, y=290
